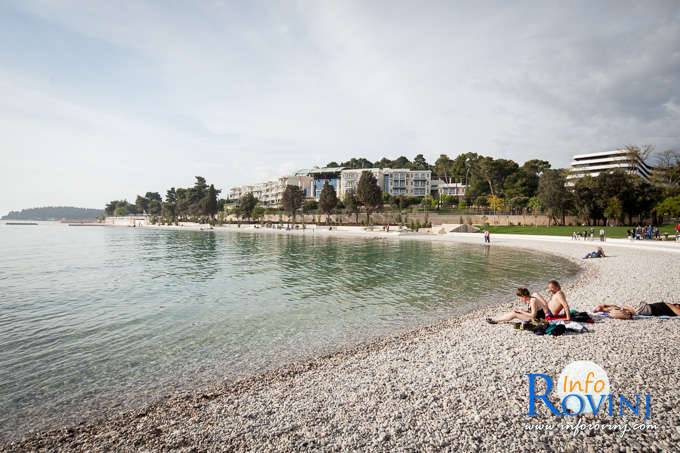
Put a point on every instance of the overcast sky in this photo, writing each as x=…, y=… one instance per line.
x=102, y=100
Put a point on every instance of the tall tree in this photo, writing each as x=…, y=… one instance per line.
x=369, y=193
x=246, y=205
x=328, y=200
x=142, y=204
x=351, y=203
x=211, y=205
x=614, y=209
x=171, y=196
x=419, y=163
x=553, y=195
x=443, y=168
x=292, y=200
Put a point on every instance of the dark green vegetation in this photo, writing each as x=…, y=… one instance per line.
x=559, y=230
x=503, y=186
x=53, y=213
x=494, y=186
x=193, y=202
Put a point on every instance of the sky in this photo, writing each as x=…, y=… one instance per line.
x=106, y=100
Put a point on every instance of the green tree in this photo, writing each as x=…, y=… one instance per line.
x=328, y=199
x=155, y=207
x=171, y=196
x=142, y=204
x=292, y=200
x=211, y=205
x=534, y=205
x=369, y=193
x=670, y=206
x=309, y=206
x=351, y=203
x=614, y=209
x=419, y=163
x=246, y=205
x=443, y=168
x=553, y=195
x=586, y=201
x=481, y=202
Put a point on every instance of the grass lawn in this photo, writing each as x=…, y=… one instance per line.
x=612, y=232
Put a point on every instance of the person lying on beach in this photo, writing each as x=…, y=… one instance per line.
x=536, y=309
x=627, y=312
x=556, y=304
x=599, y=253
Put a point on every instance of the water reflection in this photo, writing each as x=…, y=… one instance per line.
x=109, y=317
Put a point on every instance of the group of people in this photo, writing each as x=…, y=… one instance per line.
x=587, y=235
x=557, y=308
x=639, y=232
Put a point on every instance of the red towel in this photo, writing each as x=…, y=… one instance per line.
x=554, y=318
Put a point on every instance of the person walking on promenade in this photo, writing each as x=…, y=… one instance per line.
x=601, y=234
x=487, y=237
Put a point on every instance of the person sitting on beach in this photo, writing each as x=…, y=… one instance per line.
x=627, y=312
x=599, y=253
x=536, y=309
x=556, y=303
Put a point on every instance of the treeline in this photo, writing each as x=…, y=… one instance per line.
x=191, y=202
x=53, y=213
x=536, y=187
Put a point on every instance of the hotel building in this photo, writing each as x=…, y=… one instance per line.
x=395, y=181
x=455, y=189
x=595, y=163
x=270, y=193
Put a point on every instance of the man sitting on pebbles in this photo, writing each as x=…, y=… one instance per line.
x=627, y=312
x=557, y=305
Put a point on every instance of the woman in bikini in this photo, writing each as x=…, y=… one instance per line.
x=535, y=309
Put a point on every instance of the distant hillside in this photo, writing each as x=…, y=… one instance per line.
x=53, y=213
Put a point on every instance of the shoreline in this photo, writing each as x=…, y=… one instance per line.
x=308, y=379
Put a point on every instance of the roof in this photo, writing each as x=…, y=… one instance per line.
x=316, y=171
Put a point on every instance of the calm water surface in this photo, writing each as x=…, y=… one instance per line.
x=94, y=319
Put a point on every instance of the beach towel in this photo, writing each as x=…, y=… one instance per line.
x=571, y=326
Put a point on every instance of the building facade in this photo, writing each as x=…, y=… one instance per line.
x=455, y=189
x=595, y=163
x=270, y=193
x=395, y=181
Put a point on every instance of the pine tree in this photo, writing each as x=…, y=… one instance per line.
x=328, y=200
x=368, y=193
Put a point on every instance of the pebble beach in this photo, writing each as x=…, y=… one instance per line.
x=459, y=385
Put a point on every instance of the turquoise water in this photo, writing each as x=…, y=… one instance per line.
x=94, y=320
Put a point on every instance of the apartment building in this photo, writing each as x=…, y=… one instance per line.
x=395, y=181
x=455, y=189
x=594, y=163
x=270, y=193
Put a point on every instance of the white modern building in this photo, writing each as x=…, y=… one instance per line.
x=270, y=193
x=395, y=181
x=455, y=189
x=595, y=163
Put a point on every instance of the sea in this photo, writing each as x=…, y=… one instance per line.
x=99, y=320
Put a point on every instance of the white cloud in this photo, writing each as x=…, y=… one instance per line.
x=239, y=92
